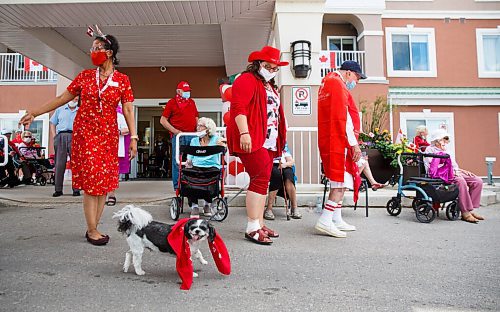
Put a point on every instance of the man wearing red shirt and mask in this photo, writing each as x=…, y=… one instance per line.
x=338, y=145
x=180, y=115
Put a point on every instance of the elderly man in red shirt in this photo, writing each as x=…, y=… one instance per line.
x=337, y=143
x=180, y=115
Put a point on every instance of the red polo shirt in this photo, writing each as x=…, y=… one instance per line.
x=181, y=115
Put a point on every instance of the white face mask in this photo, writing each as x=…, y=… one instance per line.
x=266, y=74
x=443, y=144
x=72, y=104
x=203, y=133
x=27, y=140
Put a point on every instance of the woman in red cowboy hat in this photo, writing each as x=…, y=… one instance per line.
x=256, y=131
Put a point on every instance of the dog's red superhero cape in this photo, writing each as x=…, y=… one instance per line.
x=184, y=264
x=333, y=105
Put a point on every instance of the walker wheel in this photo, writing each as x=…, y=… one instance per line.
x=393, y=207
x=416, y=202
x=452, y=211
x=425, y=213
x=42, y=181
x=175, y=208
x=219, y=209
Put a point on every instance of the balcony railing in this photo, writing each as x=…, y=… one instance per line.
x=331, y=60
x=303, y=145
x=16, y=68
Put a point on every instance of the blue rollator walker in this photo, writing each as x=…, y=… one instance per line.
x=430, y=193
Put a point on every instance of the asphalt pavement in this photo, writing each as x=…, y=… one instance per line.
x=389, y=264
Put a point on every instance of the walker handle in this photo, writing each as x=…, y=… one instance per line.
x=426, y=155
x=177, y=137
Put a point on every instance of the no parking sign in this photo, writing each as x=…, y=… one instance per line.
x=301, y=100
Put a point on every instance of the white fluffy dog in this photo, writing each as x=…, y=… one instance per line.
x=142, y=232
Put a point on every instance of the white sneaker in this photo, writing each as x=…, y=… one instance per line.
x=195, y=212
x=207, y=211
x=343, y=226
x=329, y=228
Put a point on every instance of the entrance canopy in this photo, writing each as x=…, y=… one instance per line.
x=150, y=33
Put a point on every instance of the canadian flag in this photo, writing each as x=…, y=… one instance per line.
x=30, y=65
x=327, y=59
x=399, y=137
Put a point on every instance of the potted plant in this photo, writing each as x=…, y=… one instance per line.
x=411, y=166
x=379, y=148
x=383, y=155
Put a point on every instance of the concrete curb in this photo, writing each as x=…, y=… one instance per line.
x=306, y=197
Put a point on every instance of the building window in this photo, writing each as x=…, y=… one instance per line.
x=488, y=52
x=342, y=43
x=411, y=52
x=343, y=48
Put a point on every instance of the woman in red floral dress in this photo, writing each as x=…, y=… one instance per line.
x=94, y=157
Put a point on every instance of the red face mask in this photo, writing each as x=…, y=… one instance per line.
x=98, y=57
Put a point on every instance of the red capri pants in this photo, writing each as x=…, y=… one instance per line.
x=258, y=165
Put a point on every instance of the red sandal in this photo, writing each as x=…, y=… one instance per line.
x=377, y=186
x=270, y=232
x=258, y=237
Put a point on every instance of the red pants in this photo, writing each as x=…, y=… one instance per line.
x=258, y=165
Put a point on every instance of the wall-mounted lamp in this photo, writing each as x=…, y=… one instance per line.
x=301, y=58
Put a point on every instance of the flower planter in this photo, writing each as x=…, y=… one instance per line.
x=381, y=168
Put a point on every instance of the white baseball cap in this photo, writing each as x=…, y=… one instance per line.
x=438, y=134
x=5, y=131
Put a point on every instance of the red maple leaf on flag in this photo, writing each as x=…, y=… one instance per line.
x=323, y=59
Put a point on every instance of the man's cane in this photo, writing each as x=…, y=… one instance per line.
x=284, y=193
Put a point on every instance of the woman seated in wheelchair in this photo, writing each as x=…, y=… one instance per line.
x=469, y=185
x=29, y=151
x=204, y=163
x=282, y=175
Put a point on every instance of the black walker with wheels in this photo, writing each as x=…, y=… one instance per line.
x=431, y=194
x=201, y=183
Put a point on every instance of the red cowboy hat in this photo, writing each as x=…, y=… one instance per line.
x=268, y=54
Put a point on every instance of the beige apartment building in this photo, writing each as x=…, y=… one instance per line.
x=437, y=62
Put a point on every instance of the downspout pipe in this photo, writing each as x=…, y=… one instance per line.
x=391, y=119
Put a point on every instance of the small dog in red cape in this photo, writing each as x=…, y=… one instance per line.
x=182, y=239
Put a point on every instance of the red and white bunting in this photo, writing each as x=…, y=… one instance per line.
x=30, y=65
x=90, y=31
